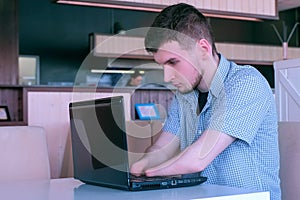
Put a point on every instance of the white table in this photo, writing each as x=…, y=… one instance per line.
x=72, y=189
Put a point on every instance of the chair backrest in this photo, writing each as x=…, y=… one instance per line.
x=23, y=153
x=289, y=146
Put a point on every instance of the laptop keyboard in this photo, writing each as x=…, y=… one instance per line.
x=152, y=178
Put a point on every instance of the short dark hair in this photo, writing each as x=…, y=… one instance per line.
x=136, y=74
x=180, y=22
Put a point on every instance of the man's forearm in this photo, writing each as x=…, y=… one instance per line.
x=165, y=147
x=156, y=155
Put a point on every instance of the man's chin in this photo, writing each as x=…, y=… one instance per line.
x=184, y=90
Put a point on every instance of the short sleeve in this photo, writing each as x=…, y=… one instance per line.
x=243, y=106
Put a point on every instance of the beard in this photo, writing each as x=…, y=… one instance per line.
x=190, y=86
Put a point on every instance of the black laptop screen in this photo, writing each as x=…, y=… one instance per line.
x=98, y=139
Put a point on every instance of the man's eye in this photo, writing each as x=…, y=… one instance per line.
x=173, y=62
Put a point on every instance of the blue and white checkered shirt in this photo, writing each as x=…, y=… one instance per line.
x=241, y=104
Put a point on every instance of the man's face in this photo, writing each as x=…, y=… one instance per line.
x=137, y=80
x=181, y=67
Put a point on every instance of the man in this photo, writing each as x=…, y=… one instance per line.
x=233, y=140
x=136, y=79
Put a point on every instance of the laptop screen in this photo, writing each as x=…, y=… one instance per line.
x=99, y=140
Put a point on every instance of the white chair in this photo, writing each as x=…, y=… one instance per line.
x=23, y=153
x=289, y=146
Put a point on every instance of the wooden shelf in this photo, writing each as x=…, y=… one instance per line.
x=13, y=123
x=237, y=9
x=255, y=54
x=14, y=97
x=123, y=46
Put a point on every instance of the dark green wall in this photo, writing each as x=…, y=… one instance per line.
x=59, y=33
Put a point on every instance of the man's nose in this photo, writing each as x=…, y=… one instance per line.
x=168, y=74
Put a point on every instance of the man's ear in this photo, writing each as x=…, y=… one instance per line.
x=204, y=46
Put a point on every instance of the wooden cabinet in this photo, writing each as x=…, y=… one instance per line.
x=9, y=42
x=10, y=95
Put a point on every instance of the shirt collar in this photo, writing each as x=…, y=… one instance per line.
x=191, y=97
x=218, y=81
x=217, y=84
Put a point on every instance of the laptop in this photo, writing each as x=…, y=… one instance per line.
x=99, y=148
